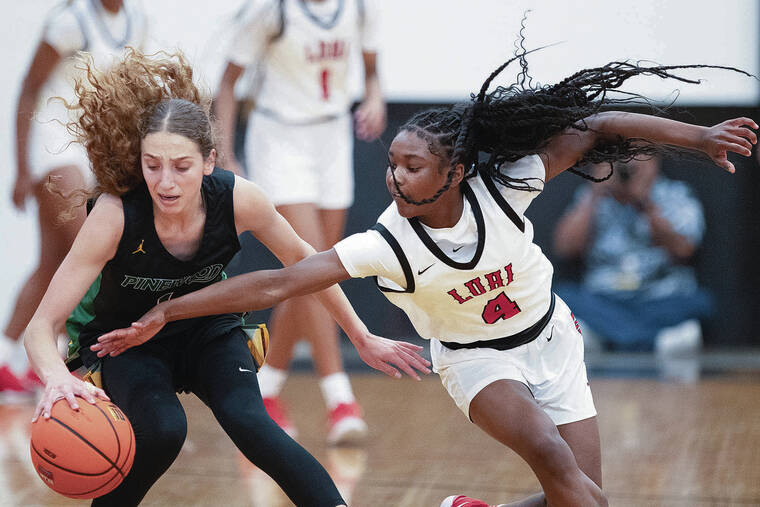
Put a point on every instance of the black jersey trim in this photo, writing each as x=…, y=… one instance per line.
x=388, y=237
x=503, y=204
x=319, y=22
x=479, y=221
x=509, y=342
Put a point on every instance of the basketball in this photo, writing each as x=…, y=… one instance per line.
x=85, y=453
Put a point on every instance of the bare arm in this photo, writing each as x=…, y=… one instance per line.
x=567, y=148
x=678, y=246
x=370, y=116
x=306, y=272
x=94, y=245
x=226, y=111
x=573, y=232
x=259, y=289
x=255, y=213
x=45, y=60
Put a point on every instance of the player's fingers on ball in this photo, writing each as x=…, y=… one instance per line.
x=69, y=395
x=101, y=394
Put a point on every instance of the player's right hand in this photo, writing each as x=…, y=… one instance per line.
x=117, y=341
x=22, y=188
x=66, y=385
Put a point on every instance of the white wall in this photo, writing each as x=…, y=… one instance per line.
x=433, y=50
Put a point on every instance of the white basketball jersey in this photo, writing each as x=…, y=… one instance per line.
x=104, y=41
x=504, y=289
x=304, y=73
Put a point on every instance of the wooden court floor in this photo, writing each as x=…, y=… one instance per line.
x=663, y=444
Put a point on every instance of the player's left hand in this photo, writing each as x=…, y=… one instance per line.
x=381, y=353
x=732, y=135
x=370, y=119
x=117, y=341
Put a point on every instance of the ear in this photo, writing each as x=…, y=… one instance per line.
x=210, y=162
x=458, y=175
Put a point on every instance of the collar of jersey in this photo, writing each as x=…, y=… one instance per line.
x=433, y=247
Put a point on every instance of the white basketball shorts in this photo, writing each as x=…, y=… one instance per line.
x=51, y=146
x=297, y=164
x=551, y=366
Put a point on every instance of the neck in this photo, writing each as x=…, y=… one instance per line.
x=446, y=211
x=179, y=221
x=112, y=6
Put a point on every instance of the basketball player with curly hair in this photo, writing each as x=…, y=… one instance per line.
x=165, y=223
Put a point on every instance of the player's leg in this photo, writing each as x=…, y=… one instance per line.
x=534, y=436
x=302, y=317
x=141, y=384
x=345, y=418
x=56, y=238
x=223, y=376
x=583, y=439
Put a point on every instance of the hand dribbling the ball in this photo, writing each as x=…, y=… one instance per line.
x=65, y=385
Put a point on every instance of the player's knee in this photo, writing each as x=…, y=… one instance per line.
x=164, y=440
x=552, y=453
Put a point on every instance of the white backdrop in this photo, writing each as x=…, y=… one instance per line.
x=433, y=50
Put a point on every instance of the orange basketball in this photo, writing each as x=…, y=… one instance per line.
x=85, y=453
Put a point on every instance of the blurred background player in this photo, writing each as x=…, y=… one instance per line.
x=102, y=28
x=636, y=235
x=299, y=149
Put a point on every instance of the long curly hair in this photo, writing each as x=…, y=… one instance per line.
x=518, y=120
x=117, y=108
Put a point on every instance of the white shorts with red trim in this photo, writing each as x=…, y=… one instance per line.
x=551, y=366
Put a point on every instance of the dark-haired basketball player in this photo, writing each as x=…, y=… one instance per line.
x=456, y=253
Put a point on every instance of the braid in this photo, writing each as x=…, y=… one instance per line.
x=518, y=120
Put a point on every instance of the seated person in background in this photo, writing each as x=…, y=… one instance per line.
x=635, y=234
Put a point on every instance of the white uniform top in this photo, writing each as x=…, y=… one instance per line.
x=84, y=25
x=77, y=25
x=302, y=49
x=482, y=279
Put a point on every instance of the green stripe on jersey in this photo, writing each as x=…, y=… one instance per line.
x=82, y=315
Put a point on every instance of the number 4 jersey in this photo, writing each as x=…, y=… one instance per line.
x=482, y=279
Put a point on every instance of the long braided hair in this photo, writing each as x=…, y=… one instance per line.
x=518, y=120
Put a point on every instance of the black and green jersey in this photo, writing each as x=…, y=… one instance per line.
x=143, y=273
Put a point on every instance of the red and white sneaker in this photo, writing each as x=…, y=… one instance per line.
x=463, y=501
x=12, y=389
x=279, y=414
x=346, y=425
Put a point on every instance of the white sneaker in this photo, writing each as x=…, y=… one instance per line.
x=683, y=339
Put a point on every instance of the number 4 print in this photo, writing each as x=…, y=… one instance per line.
x=500, y=307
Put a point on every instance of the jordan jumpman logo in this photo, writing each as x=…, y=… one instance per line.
x=140, y=248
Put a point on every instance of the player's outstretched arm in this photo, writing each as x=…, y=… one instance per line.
x=263, y=289
x=567, y=148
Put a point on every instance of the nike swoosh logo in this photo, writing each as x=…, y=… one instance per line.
x=420, y=271
x=240, y=368
x=551, y=335
x=457, y=248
